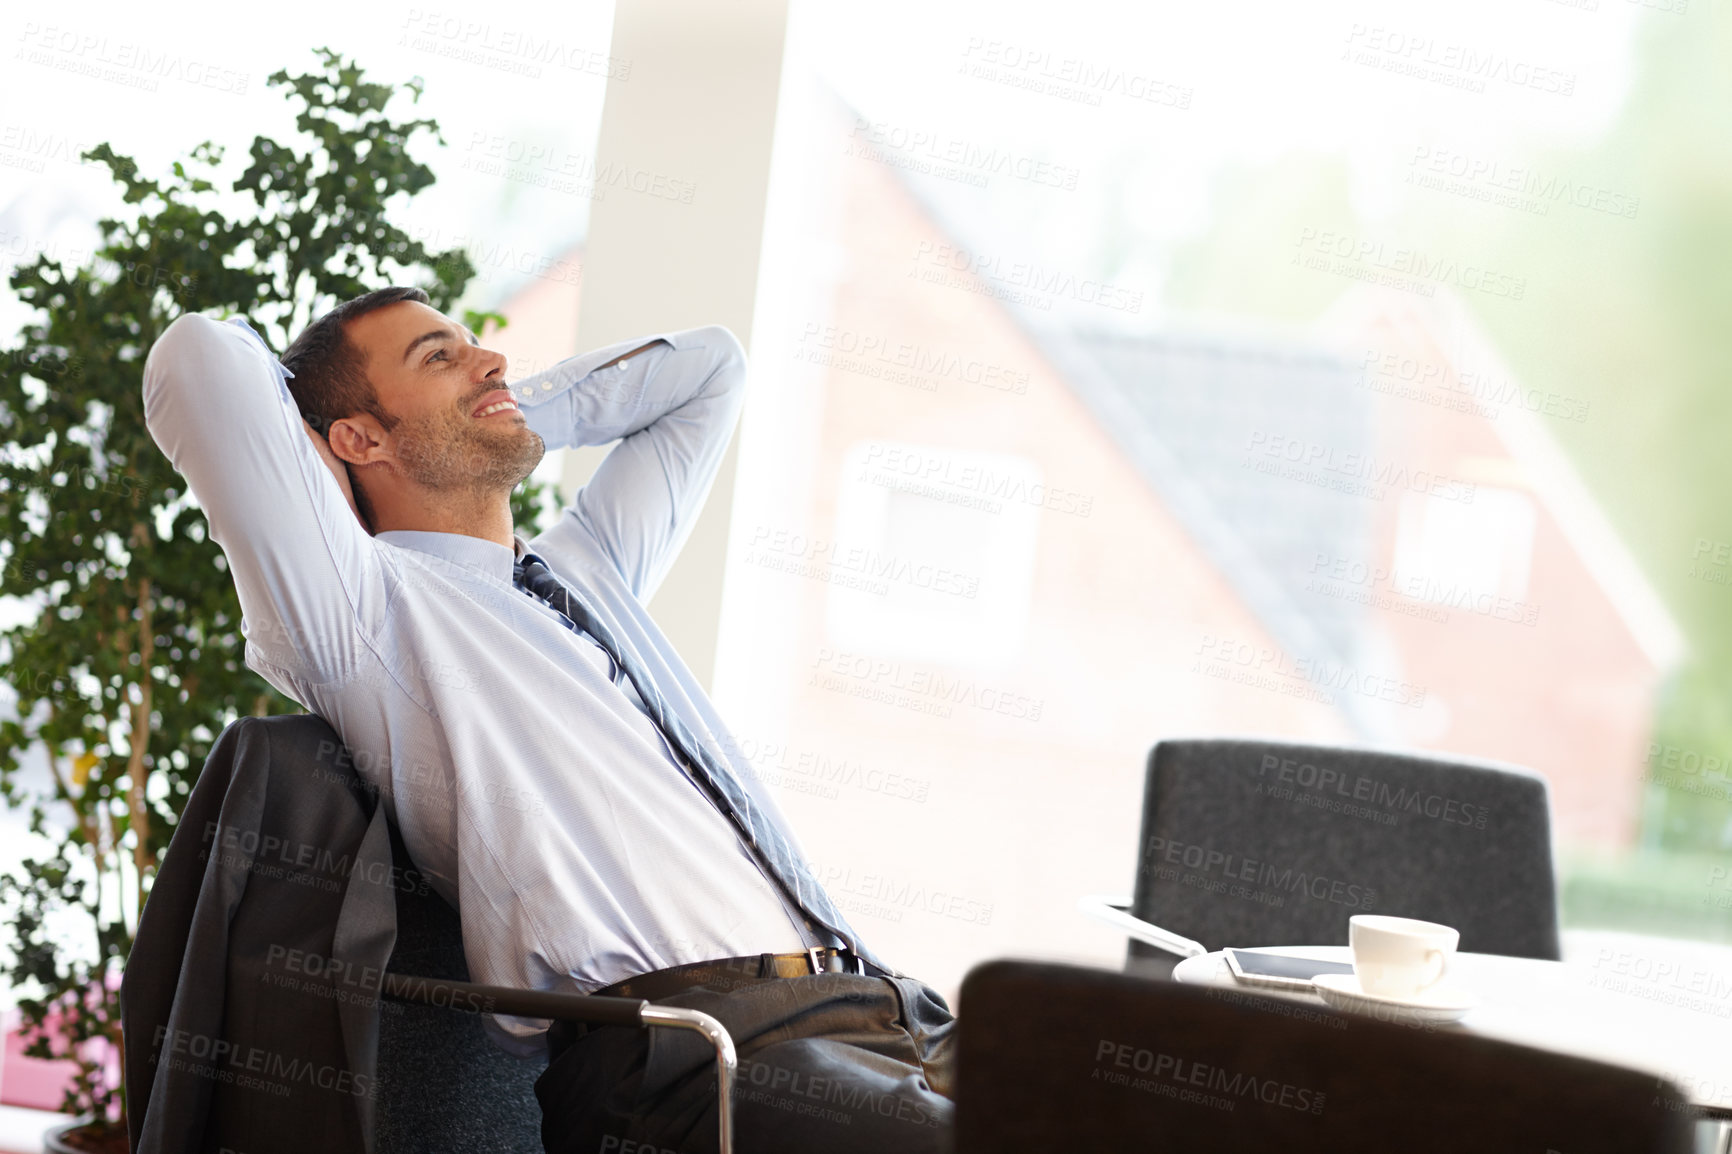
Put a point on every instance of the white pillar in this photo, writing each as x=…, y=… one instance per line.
x=696, y=106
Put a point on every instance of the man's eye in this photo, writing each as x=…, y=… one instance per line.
x=437, y=354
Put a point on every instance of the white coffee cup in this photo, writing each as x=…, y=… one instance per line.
x=1399, y=957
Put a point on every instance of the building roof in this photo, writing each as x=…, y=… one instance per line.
x=1183, y=407
x=1185, y=410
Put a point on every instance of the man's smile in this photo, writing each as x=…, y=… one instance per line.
x=498, y=401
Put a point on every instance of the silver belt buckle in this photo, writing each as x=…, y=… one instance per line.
x=836, y=962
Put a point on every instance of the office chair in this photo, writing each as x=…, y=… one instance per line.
x=1055, y=1057
x=226, y=914
x=443, y=1085
x=1258, y=843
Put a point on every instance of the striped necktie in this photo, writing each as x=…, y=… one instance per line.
x=774, y=852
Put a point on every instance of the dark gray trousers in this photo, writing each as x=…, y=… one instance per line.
x=833, y=1063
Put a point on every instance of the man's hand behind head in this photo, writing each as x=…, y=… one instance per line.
x=338, y=470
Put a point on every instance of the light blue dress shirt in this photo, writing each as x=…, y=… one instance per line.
x=527, y=782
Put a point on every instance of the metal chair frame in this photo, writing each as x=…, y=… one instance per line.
x=468, y=997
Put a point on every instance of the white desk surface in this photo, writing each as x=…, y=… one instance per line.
x=1621, y=999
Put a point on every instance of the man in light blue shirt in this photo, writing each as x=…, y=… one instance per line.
x=551, y=763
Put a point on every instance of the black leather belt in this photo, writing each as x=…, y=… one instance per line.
x=731, y=973
x=719, y=974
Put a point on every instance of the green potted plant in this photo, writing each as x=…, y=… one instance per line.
x=132, y=664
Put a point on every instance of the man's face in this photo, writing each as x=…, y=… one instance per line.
x=457, y=423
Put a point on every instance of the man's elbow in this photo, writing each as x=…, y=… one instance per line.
x=728, y=356
x=187, y=341
x=185, y=334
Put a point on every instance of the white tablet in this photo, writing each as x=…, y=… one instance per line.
x=1281, y=971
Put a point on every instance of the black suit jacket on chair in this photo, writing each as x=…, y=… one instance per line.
x=248, y=1000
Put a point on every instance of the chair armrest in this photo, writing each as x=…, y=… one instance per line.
x=468, y=997
x=1115, y=911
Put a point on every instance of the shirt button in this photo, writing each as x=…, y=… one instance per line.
x=546, y=386
x=623, y=364
x=529, y=392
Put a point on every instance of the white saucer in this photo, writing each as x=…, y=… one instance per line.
x=1443, y=1004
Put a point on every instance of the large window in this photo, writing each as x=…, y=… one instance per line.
x=1342, y=372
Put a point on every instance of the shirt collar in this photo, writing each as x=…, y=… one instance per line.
x=460, y=549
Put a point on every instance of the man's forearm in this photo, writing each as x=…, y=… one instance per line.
x=673, y=407
x=612, y=393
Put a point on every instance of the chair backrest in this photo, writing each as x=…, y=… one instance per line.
x=1255, y=843
x=270, y=856
x=1057, y=1057
x=443, y=1086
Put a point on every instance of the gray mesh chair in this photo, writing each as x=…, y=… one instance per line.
x=1257, y=843
x=1063, y=1058
x=443, y=1086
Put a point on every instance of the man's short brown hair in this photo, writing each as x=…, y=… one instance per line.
x=330, y=372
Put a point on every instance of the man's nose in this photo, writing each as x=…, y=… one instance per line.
x=493, y=364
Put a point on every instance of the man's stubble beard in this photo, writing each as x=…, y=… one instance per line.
x=446, y=453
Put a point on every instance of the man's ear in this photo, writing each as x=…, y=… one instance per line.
x=358, y=440
x=340, y=472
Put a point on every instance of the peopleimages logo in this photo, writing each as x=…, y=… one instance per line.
x=133, y=65
x=844, y=1093
x=940, y=154
x=1159, y=851
x=926, y=472
x=252, y=1067
x=303, y=862
x=1663, y=980
x=883, y=896
x=1265, y=667
x=1375, y=473
x=1688, y=761
x=927, y=691
x=822, y=558
x=877, y=355
x=1513, y=186
x=1477, y=391
x=1021, y=282
x=1456, y=65
x=1408, y=269
x=1202, y=1075
x=1066, y=77
x=1358, y=787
